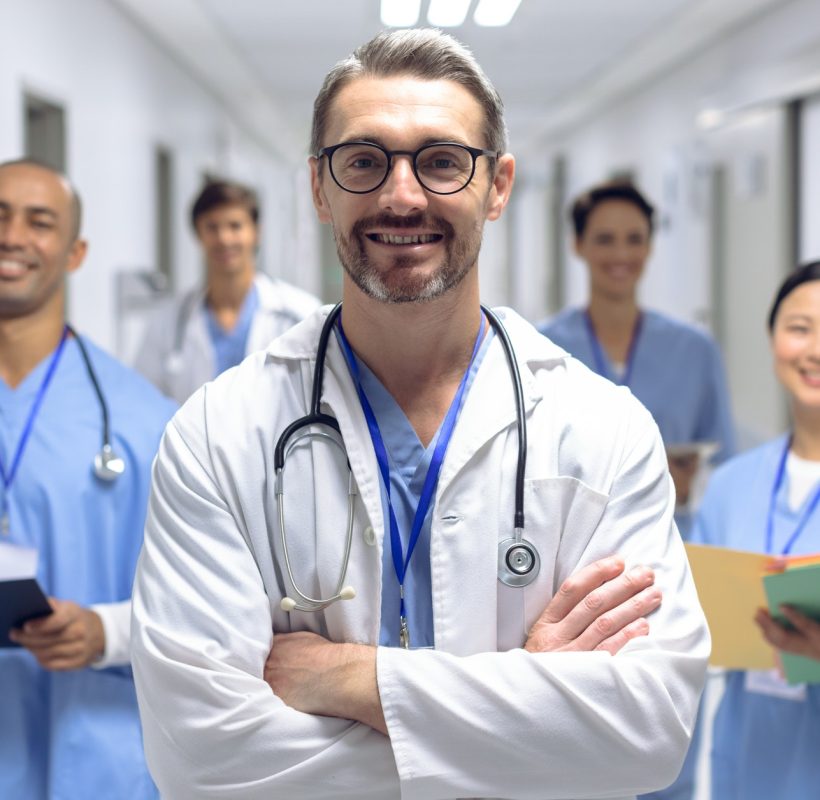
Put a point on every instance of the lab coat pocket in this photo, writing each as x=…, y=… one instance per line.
x=561, y=514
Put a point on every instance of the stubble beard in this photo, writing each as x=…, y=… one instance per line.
x=396, y=283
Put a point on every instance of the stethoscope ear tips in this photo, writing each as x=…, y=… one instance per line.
x=288, y=604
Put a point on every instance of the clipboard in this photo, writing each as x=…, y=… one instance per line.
x=20, y=601
x=703, y=450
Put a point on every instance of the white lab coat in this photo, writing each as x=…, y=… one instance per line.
x=177, y=355
x=476, y=717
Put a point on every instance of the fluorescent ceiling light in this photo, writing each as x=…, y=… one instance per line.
x=495, y=13
x=400, y=13
x=448, y=13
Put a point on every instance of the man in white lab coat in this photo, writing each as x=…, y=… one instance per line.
x=436, y=680
x=194, y=337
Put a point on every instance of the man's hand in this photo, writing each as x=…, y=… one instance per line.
x=803, y=640
x=71, y=637
x=683, y=469
x=313, y=675
x=601, y=607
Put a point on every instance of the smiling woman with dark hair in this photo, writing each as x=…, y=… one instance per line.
x=766, y=500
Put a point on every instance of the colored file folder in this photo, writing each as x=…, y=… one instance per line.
x=797, y=586
x=733, y=584
x=730, y=588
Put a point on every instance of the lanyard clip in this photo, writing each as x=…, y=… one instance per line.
x=404, y=633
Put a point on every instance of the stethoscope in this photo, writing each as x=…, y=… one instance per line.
x=108, y=466
x=518, y=559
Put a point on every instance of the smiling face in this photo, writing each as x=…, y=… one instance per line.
x=796, y=346
x=229, y=238
x=37, y=240
x=615, y=244
x=401, y=243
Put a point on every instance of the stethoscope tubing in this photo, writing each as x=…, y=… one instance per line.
x=106, y=429
x=520, y=423
x=516, y=544
x=107, y=465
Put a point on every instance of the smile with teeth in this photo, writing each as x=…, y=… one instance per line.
x=811, y=376
x=10, y=267
x=416, y=238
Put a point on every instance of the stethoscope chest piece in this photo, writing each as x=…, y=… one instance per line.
x=108, y=466
x=518, y=562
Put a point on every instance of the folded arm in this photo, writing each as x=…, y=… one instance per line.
x=601, y=608
x=491, y=724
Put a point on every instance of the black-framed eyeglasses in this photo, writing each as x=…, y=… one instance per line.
x=441, y=167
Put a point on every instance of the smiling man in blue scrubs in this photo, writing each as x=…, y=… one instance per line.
x=70, y=726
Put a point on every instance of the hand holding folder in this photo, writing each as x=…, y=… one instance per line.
x=732, y=585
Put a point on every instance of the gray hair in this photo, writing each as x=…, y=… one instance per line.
x=424, y=53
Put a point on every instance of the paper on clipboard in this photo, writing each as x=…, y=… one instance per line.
x=17, y=563
x=730, y=588
x=21, y=597
x=703, y=450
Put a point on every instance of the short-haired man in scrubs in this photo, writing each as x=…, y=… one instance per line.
x=70, y=724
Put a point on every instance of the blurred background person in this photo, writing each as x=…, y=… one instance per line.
x=673, y=368
x=70, y=723
x=193, y=338
x=766, y=500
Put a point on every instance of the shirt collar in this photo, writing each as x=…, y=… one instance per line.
x=532, y=348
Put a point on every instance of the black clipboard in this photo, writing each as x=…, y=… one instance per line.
x=20, y=601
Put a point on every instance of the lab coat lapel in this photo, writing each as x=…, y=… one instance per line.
x=488, y=409
x=470, y=519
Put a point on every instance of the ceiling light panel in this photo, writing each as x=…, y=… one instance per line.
x=448, y=13
x=400, y=13
x=495, y=13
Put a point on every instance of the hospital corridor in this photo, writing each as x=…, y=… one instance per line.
x=410, y=399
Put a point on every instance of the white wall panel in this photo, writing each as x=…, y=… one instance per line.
x=124, y=95
x=810, y=181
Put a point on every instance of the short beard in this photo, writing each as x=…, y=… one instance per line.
x=460, y=257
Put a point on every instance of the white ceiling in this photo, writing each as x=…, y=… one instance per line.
x=556, y=62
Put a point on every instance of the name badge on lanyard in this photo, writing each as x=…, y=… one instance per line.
x=772, y=684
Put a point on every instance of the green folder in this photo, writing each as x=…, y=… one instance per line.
x=798, y=587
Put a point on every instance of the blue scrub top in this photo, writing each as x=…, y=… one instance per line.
x=76, y=735
x=763, y=747
x=409, y=461
x=677, y=373
x=230, y=347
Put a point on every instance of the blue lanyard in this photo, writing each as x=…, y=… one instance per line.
x=400, y=560
x=598, y=353
x=8, y=477
x=803, y=521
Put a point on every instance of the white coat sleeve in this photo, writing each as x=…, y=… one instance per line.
x=557, y=725
x=201, y=631
x=116, y=622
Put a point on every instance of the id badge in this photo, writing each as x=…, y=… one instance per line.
x=770, y=682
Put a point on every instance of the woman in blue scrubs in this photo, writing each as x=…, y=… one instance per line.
x=674, y=369
x=766, y=732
